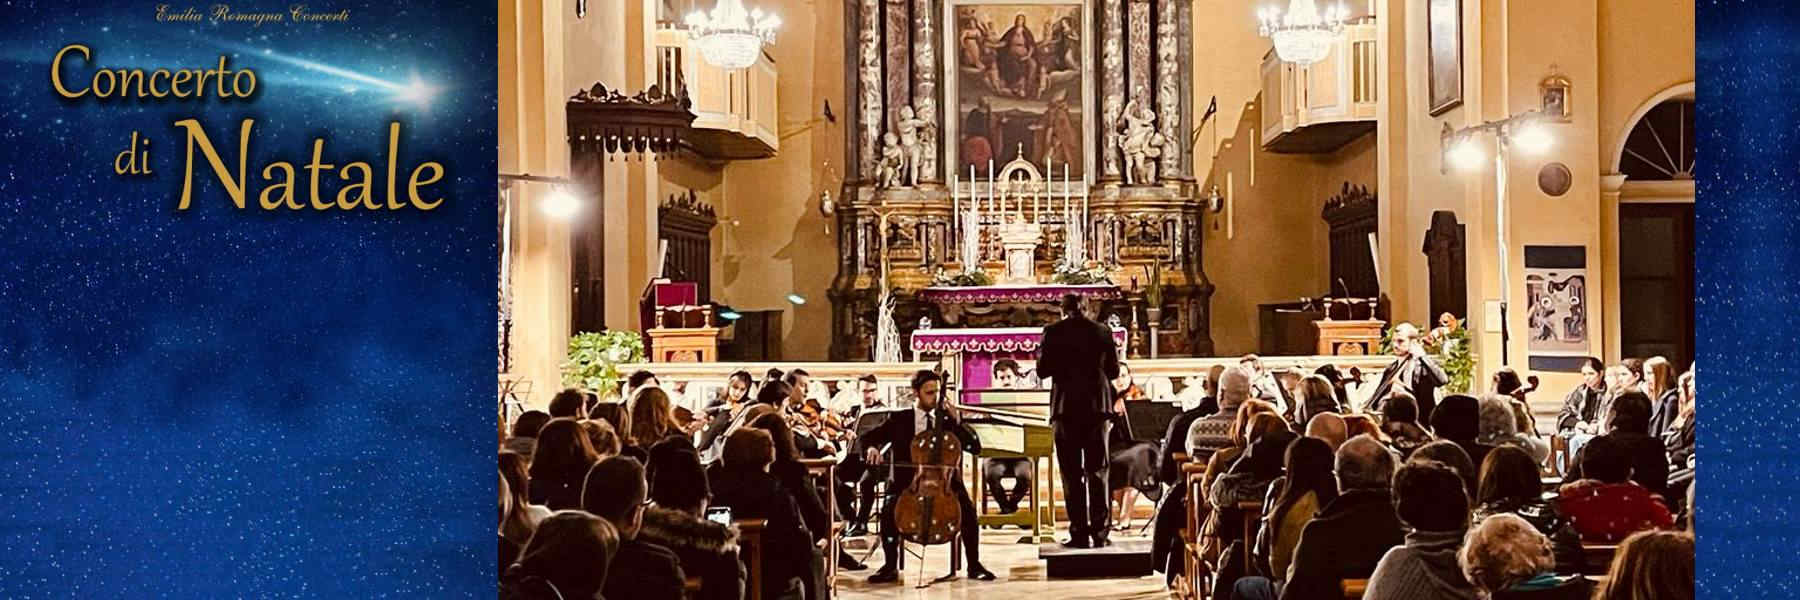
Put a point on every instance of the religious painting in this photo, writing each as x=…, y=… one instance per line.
x=1444, y=54
x=1556, y=294
x=1017, y=85
x=1553, y=98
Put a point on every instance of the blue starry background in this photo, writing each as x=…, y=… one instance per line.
x=1747, y=286
x=238, y=404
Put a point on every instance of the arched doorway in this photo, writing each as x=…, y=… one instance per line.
x=1656, y=233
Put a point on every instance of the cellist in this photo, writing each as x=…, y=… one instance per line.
x=896, y=436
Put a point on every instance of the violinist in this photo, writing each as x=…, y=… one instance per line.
x=896, y=436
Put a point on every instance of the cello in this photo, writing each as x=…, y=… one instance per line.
x=927, y=512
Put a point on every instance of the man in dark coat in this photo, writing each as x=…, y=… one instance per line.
x=896, y=435
x=1414, y=371
x=615, y=490
x=1081, y=361
x=1351, y=534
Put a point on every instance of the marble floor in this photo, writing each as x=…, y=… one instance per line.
x=1021, y=575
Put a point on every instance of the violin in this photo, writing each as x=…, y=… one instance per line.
x=927, y=512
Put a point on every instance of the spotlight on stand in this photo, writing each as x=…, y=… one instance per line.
x=1461, y=151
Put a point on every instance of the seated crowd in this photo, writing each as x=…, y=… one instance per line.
x=1298, y=493
x=590, y=488
x=1301, y=497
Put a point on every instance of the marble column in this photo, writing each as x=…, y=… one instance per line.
x=868, y=75
x=1112, y=84
x=924, y=96
x=1169, y=87
x=896, y=18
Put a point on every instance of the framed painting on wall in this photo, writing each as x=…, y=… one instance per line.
x=1018, y=75
x=1444, y=54
x=1556, y=296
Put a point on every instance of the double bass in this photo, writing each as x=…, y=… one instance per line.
x=927, y=512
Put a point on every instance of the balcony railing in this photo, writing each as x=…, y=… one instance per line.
x=735, y=110
x=1320, y=107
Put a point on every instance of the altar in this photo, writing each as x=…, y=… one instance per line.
x=973, y=351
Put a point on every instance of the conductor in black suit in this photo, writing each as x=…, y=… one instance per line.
x=896, y=434
x=1081, y=361
x=1413, y=372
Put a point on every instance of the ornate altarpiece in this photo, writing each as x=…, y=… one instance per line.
x=1131, y=53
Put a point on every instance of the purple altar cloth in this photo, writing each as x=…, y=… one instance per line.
x=979, y=348
x=1016, y=293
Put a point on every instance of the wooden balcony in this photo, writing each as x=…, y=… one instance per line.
x=1320, y=107
x=735, y=110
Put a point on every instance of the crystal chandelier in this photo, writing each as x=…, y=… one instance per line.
x=731, y=37
x=1302, y=35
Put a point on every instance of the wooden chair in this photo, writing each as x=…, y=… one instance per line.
x=1252, y=518
x=826, y=470
x=1196, y=569
x=750, y=542
x=1354, y=588
x=690, y=589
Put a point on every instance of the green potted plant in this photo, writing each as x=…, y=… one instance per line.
x=594, y=359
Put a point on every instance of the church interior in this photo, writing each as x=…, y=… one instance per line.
x=1295, y=190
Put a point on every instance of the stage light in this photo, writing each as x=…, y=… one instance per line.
x=796, y=299
x=1533, y=137
x=561, y=204
x=1464, y=153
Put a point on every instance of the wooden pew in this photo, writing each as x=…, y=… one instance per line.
x=826, y=470
x=1354, y=588
x=1196, y=569
x=1252, y=517
x=750, y=543
x=1599, y=558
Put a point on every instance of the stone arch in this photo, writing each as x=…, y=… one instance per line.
x=1616, y=151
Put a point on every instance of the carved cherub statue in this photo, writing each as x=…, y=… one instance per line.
x=912, y=130
x=887, y=170
x=1141, y=144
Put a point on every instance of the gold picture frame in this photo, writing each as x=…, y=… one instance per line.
x=1553, y=99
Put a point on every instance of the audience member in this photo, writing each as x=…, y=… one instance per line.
x=1293, y=502
x=793, y=475
x=515, y=468
x=1453, y=456
x=602, y=437
x=614, y=489
x=1242, y=430
x=638, y=380
x=1429, y=501
x=1317, y=396
x=513, y=521
x=1606, y=506
x=1328, y=427
x=618, y=415
x=1664, y=393
x=1498, y=424
x=652, y=419
x=1651, y=565
x=1629, y=423
x=742, y=483
x=563, y=457
x=570, y=403
x=1352, y=532
x=1511, y=484
x=525, y=431
x=1167, y=551
x=1248, y=481
x=568, y=558
x=1400, y=422
x=1507, y=558
x=1213, y=433
x=676, y=521
x=1355, y=425
x=1581, y=407
x=1458, y=419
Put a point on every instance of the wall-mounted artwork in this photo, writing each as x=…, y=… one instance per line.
x=1556, y=295
x=1018, y=84
x=1444, y=54
x=1553, y=98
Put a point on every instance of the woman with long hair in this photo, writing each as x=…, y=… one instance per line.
x=1651, y=565
x=1316, y=396
x=1308, y=486
x=652, y=418
x=1239, y=433
x=567, y=559
x=514, y=468
x=1664, y=393
x=562, y=460
x=1511, y=484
